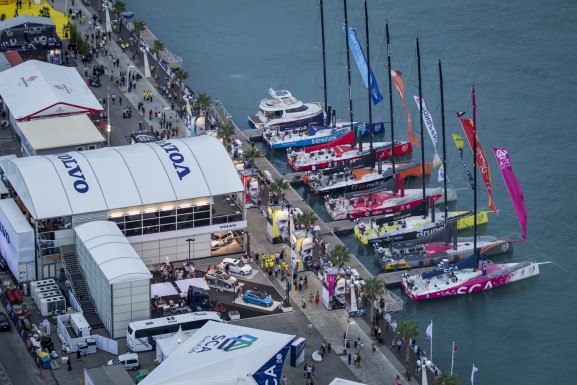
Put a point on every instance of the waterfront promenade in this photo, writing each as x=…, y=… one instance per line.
x=378, y=367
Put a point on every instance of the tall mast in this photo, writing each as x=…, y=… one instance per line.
x=371, y=149
x=422, y=128
x=349, y=71
x=443, y=137
x=475, y=177
x=391, y=101
x=328, y=118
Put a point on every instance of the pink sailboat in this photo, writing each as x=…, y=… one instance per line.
x=470, y=276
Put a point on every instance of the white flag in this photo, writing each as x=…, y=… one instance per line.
x=441, y=174
x=475, y=369
x=429, y=332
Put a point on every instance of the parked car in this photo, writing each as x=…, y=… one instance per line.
x=4, y=322
x=235, y=266
x=129, y=361
x=257, y=298
x=220, y=278
x=218, y=240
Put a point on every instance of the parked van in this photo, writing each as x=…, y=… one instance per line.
x=128, y=360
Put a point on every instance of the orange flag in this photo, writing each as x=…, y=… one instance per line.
x=400, y=86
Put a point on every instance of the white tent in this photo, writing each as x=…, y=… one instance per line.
x=17, y=241
x=109, y=178
x=340, y=381
x=36, y=89
x=224, y=354
x=117, y=279
x=166, y=346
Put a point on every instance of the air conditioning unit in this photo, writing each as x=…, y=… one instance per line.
x=49, y=305
x=43, y=289
x=80, y=325
x=43, y=282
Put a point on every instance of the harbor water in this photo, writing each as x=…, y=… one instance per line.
x=522, y=59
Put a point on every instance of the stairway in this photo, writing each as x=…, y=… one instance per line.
x=77, y=282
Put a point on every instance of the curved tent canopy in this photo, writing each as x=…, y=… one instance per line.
x=112, y=252
x=35, y=89
x=118, y=177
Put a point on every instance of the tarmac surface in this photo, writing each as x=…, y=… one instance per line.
x=380, y=366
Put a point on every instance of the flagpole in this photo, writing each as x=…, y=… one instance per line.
x=473, y=374
x=431, y=341
x=452, y=357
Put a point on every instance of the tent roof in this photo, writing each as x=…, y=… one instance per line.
x=37, y=89
x=66, y=131
x=340, y=381
x=119, y=177
x=25, y=19
x=17, y=219
x=219, y=354
x=112, y=252
x=109, y=375
x=169, y=345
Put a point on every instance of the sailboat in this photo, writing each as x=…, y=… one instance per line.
x=416, y=226
x=473, y=275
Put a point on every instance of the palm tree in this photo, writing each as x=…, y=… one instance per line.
x=373, y=288
x=251, y=154
x=225, y=132
x=307, y=219
x=278, y=186
x=117, y=8
x=446, y=379
x=157, y=47
x=340, y=255
x=137, y=27
x=204, y=102
x=407, y=330
x=180, y=76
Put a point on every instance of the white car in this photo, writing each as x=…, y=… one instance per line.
x=235, y=266
x=218, y=240
x=129, y=361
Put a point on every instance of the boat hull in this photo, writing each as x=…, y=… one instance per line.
x=497, y=275
x=305, y=141
x=317, y=118
x=383, y=153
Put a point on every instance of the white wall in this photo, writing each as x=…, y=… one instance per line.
x=130, y=302
x=176, y=249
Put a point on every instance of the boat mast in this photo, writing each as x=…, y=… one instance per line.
x=443, y=137
x=353, y=130
x=475, y=179
x=328, y=117
x=422, y=128
x=391, y=102
x=370, y=127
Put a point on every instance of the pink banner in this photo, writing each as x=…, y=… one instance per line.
x=513, y=186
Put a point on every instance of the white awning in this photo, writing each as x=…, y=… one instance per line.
x=162, y=289
x=224, y=354
x=119, y=177
x=112, y=252
x=36, y=89
x=183, y=284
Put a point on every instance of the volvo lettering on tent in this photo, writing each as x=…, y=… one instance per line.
x=175, y=157
x=70, y=163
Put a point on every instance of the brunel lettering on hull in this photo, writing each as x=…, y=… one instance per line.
x=176, y=158
x=75, y=171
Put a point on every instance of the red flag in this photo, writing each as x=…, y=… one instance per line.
x=455, y=348
x=482, y=162
x=400, y=86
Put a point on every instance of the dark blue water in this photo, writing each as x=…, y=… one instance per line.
x=521, y=56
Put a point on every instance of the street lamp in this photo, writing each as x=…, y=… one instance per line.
x=108, y=126
x=349, y=323
x=189, y=240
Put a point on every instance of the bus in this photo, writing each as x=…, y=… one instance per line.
x=142, y=335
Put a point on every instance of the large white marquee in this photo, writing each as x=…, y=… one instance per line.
x=118, y=177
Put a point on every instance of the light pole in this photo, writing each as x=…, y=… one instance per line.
x=108, y=126
x=349, y=323
x=190, y=240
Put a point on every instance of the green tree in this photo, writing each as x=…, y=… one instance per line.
x=157, y=48
x=278, y=186
x=180, y=76
x=225, y=132
x=117, y=8
x=251, y=154
x=204, y=102
x=307, y=219
x=373, y=288
x=137, y=27
x=44, y=12
x=407, y=330
x=340, y=255
x=447, y=379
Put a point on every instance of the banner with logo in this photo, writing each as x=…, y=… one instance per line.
x=361, y=61
x=16, y=241
x=278, y=225
x=271, y=372
x=428, y=120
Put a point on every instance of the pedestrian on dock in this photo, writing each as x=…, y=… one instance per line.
x=69, y=364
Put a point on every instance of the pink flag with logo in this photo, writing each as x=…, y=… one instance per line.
x=513, y=186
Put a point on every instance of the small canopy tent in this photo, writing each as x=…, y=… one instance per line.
x=35, y=89
x=166, y=346
x=340, y=381
x=224, y=354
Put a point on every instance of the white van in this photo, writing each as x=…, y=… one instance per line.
x=128, y=360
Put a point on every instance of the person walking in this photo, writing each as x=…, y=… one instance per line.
x=69, y=364
x=311, y=297
x=350, y=357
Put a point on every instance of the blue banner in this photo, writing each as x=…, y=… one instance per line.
x=359, y=56
x=270, y=372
